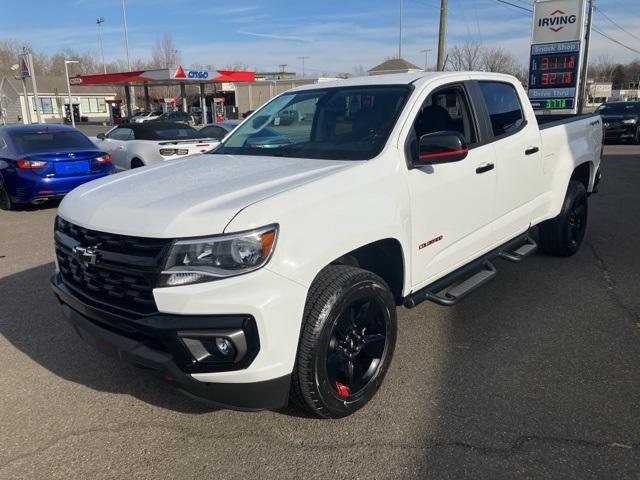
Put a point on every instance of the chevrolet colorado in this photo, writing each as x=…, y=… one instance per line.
x=263, y=272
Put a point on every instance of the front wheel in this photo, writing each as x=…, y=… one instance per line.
x=347, y=341
x=563, y=235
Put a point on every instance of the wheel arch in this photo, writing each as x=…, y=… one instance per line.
x=384, y=258
x=583, y=173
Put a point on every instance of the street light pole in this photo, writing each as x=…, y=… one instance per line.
x=303, y=59
x=426, y=57
x=400, y=33
x=126, y=43
x=100, y=21
x=66, y=74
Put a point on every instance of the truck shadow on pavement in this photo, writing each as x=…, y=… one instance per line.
x=31, y=320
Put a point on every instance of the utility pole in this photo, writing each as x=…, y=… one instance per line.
x=99, y=22
x=36, y=99
x=66, y=74
x=400, y=33
x=442, y=35
x=426, y=57
x=585, y=59
x=303, y=59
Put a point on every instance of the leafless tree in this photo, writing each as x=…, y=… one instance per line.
x=165, y=54
x=602, y=69
x=498, y=60
x=467, y=56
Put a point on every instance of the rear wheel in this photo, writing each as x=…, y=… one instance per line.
x=137, y=163
x=563, y=235
x=5, y=199
x=347, y=342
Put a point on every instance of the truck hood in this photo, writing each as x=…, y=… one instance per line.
x=193, y=196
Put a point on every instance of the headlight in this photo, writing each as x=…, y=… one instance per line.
x=205, y=259
x=630, y=121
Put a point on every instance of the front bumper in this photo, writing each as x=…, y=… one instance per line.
x=145, y=342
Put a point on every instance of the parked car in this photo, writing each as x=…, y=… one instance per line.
x=265, y=137
x=177, y=116
x=621, y=121
x=287, y=117
x=254, y=275
x=134, y=145
x=219, y=130
x=45, y=162
x=142, y=117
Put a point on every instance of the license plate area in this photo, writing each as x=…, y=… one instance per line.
x=70, y=168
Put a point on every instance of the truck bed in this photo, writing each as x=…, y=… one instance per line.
x=552, y=120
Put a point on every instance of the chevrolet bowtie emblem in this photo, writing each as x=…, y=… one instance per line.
x=86, y=255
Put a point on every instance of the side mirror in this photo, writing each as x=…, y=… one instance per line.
x=101, y=136
x=441, y=147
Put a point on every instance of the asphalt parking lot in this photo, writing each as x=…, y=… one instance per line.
x=534, y=376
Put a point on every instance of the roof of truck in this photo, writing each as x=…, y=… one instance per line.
x=396, y=79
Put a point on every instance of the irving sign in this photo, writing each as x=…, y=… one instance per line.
x=557, y=21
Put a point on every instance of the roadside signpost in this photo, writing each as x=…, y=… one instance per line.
x=557, y=55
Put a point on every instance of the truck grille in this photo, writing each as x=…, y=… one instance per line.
x=124, y=273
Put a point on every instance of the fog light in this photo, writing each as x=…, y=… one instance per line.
x=224, y=346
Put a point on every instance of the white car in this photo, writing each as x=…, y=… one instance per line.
x=260, y=273
x=134, y=145
x=146, y=116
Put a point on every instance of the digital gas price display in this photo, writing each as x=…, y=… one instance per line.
x=553, y=75
x=553, y=70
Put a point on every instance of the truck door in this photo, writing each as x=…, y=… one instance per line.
x=451, y=203
x=516, y=142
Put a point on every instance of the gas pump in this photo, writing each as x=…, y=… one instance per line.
x=218, y=110
x=114, y=107
x=76, y=113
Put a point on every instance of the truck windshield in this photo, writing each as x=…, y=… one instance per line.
x=343, y=123
x=621, y=108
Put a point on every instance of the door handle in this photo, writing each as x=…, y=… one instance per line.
x=531, y=150
x=485, y=167
x=121, y=147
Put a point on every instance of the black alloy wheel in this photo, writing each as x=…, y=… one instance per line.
x=346, y=344
x=577, y=221
x=356, y=346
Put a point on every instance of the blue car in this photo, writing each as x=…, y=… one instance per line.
x=45, y=162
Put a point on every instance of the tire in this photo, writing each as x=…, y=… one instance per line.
x=563, y=235
x=5, y=199
x=137, y=163
x=346, y=343
x=636, y=138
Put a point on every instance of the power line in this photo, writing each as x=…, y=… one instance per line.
x=616, y=24
x=514, y=5
x=594, y=28
x=610, y=38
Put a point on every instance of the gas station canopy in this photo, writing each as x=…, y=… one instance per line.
x=163, y=77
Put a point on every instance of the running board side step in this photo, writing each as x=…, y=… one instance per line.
x=473, y=275
x=453, y=295
x=528, y=247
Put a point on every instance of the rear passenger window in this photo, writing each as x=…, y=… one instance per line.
x=503, y=106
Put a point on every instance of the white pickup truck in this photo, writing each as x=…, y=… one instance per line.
x=263, y=272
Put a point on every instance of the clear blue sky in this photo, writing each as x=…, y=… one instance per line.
x=337, y=35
